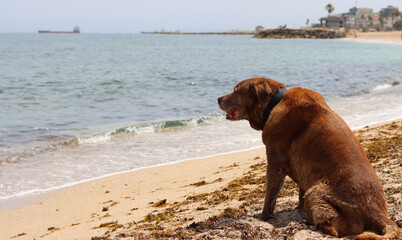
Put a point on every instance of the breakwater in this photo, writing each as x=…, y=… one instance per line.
x=300, y=33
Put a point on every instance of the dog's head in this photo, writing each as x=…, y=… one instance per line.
x=249, y=99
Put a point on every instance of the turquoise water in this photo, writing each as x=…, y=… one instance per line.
x=75, y=107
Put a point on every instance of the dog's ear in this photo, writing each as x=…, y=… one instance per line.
x=260, y=90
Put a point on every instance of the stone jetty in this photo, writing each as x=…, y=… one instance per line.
x=300, y=33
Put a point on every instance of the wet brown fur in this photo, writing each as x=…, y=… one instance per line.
x=311, y=144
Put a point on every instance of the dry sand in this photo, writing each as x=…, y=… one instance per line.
x=212, y=198
x=395, y=36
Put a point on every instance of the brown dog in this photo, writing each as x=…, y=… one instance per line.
x=311, y=144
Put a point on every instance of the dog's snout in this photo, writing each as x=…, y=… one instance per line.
x=219, y=100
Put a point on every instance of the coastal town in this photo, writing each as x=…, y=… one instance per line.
x=334, y=25
x=365, y=19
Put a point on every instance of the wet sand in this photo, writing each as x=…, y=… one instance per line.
x=210, y=198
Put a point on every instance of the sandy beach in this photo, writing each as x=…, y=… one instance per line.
x=210, y=198
x=395, y=36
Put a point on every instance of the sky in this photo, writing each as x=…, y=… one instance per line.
x=132, y=16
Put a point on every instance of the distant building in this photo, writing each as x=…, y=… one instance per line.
x=362, y=18
x=375, y=20
x=358, y=18
x=388, y=16
x=259, y=28
x=388, y=11
x=333, y=22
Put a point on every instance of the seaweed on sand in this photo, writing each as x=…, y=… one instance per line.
x=231, y=211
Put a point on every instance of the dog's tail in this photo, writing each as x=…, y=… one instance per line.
x=392, y=231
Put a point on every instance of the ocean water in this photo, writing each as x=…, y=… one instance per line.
x=78, y=107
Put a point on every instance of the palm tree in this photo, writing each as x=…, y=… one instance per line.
x=329, y=8
x=395, y=15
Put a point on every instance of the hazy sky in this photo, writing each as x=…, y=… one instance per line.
x=126, y=16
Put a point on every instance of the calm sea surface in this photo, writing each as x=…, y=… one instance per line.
x=77, y=107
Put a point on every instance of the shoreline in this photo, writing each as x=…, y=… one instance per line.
x=67, y=197
x=370, y=41
x=376, y=37
x=28, y=197
x=134, y=189
x=370, y=37
x=21, y=199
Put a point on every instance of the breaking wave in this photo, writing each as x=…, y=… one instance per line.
x=155, y=127
x=151, y=127
x=381, y=87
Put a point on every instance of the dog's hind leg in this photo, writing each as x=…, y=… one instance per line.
x=325, y=216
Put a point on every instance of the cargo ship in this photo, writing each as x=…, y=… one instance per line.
x=75, y=30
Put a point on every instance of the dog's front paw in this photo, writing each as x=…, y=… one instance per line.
x=264, y=216
x=300, y=206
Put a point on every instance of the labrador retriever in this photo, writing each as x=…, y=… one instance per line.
x=310, y=143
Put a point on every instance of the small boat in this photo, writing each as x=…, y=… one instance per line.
x=75, y=30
